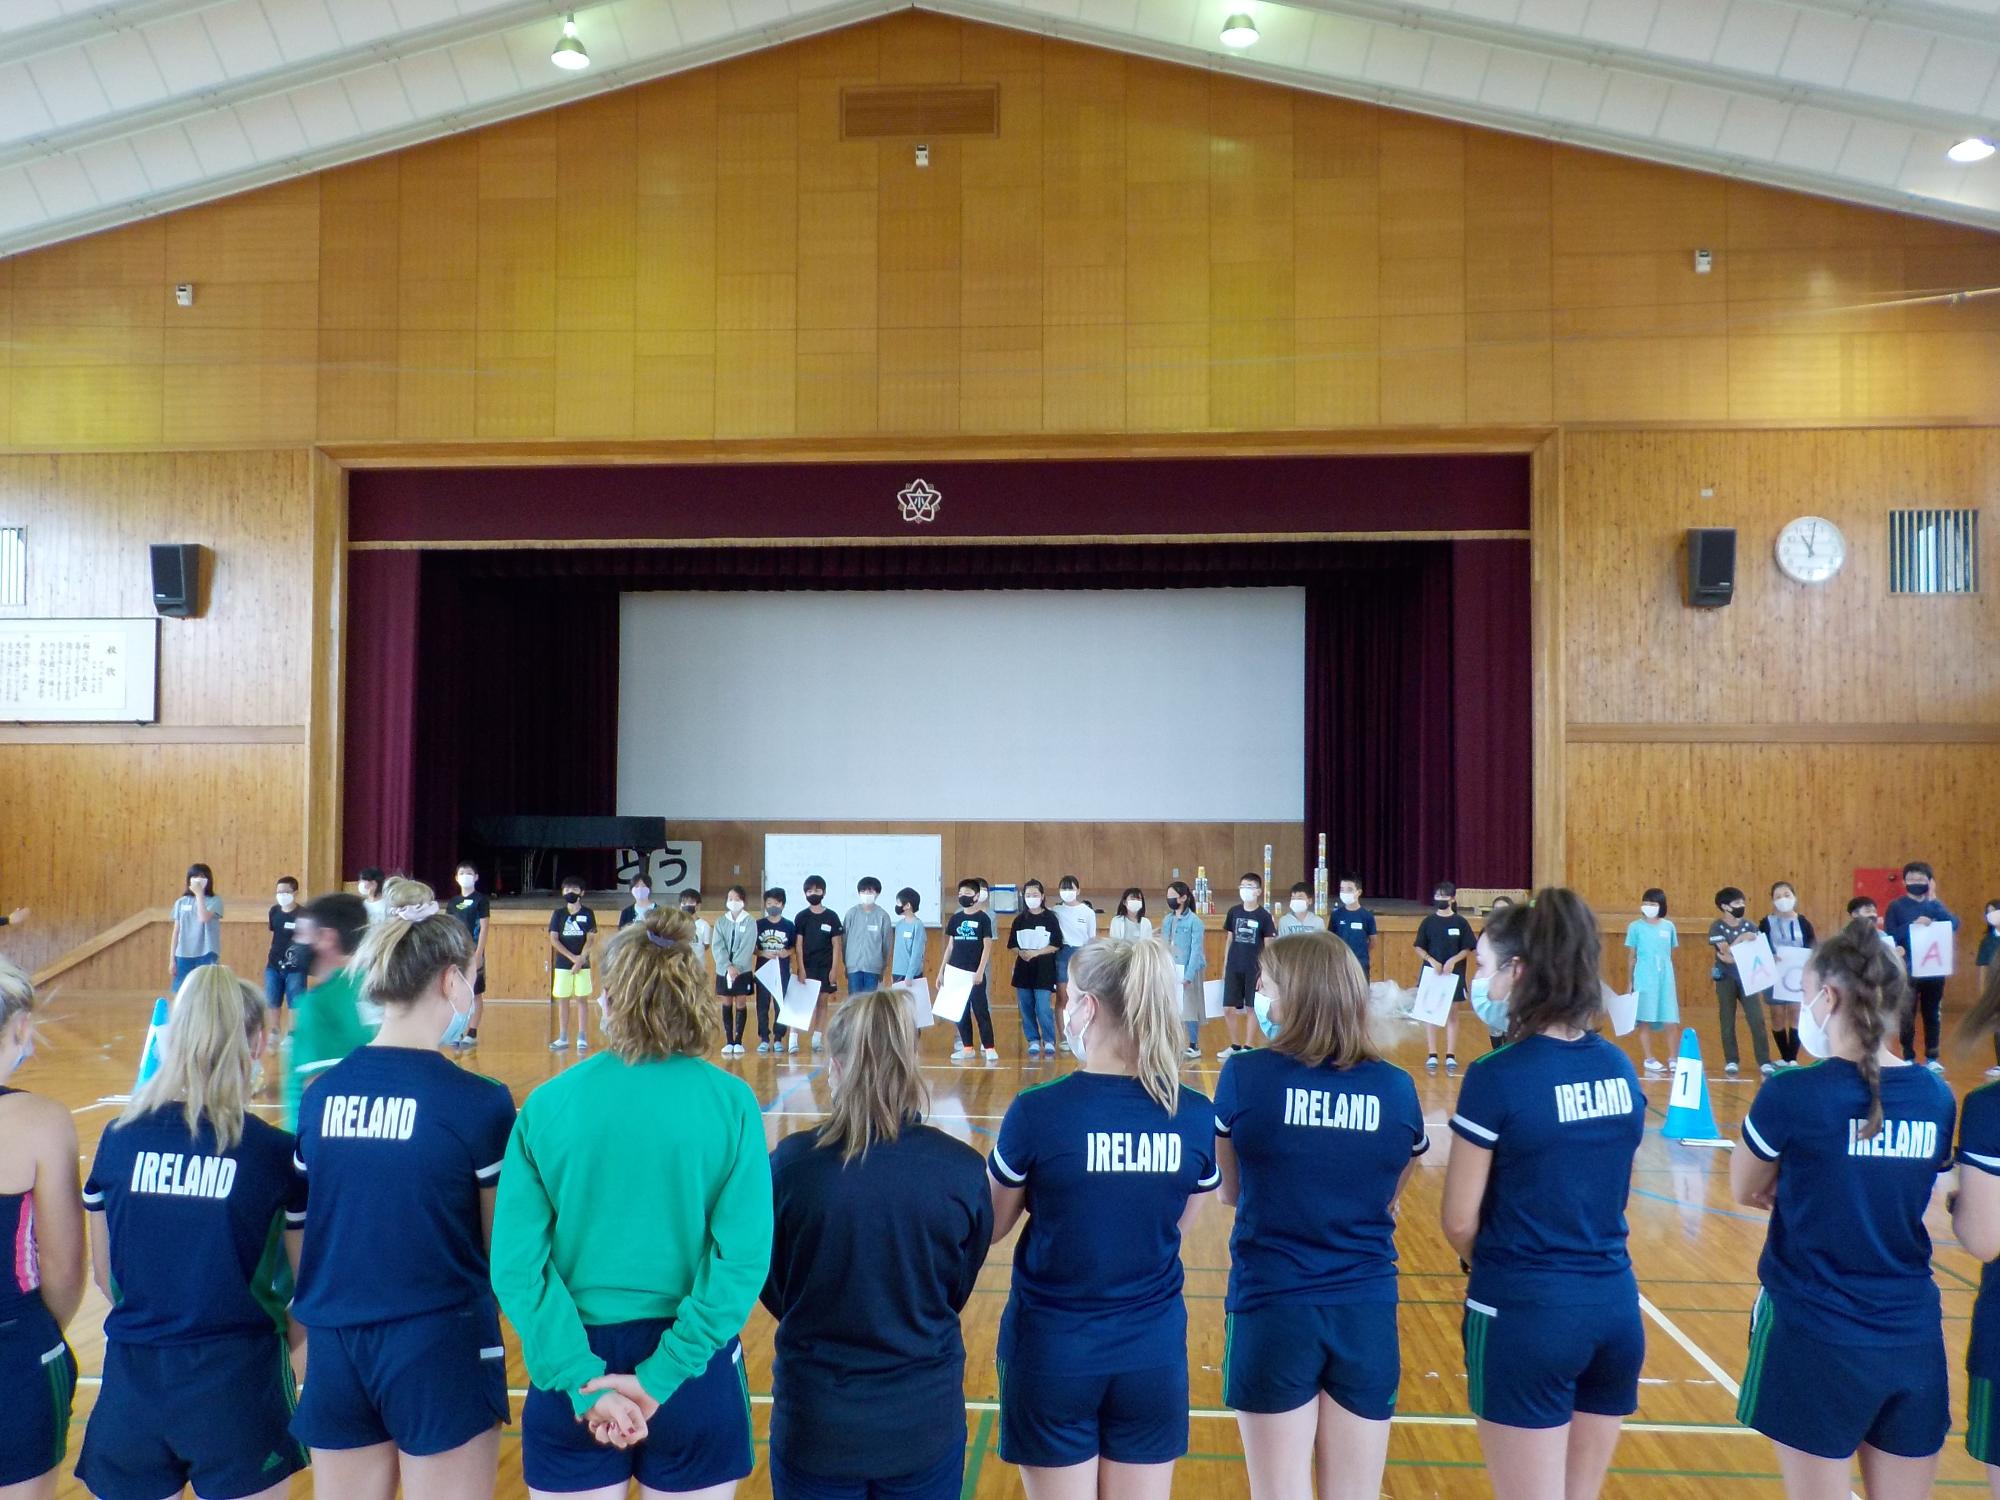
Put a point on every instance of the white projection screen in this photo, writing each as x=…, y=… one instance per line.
x=1183, y=705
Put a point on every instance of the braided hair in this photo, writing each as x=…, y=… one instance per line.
x=1860, y=968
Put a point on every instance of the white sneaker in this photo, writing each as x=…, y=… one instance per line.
x=1193, y=1054
x=1935, y=1066
x=792, y=1042
x=991, y=1055
x=1731, y=1069
x=1450, y=1064
x=1222, y=1054
x=1769, y=1070
x=1994, y=1071
x=559, y=1044
x=583, y=1044
x=1066, y=1046
x=959, y=1054
x=1654, y=1065
x=1431, y=1063
x=762, y=1048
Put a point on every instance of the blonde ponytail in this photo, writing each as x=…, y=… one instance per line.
x=1135, y=986
x=403, y=954
x=17, y=993
x=881, y=1086
x=205, y=1055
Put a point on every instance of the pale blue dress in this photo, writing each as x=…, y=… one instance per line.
x=1652, y=945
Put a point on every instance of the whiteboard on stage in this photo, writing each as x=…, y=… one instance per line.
x=80, y=671
x=915, y=860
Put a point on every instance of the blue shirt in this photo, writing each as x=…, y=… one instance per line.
x=1563, y=1121
x=197, y=1235
x=1181, y=932
x=1321, y=1151
x=1652, y=945
x=1847, y=1257
x=398, y=1144
x=1097, y=1269
x=1979, y=1151
x=909, y=960
x=1355, y=928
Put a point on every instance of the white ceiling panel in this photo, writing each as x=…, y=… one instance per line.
x=103, y=120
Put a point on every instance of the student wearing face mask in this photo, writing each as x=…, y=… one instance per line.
x=1785, y=928
x=369, y=883
x=186, y=1257
x=402, y=1149
x=1249, y=927
x=1181, y=931
x=1110, y=1165
x=1988, y=962
x=1035, y=938
x=1723, y=933
x=1354, y=924
x=690, y=905
x=1652, y=939
x=572, y=936
x=907, y=962
x=41, y=1278
x=732, y=951
x=630, y=1238
x=641, y=904
x=1918, y=907
x=819, y=942
x=1130, y=923
x=1316, y=1136
x=330, y=1022
x=1079, y=925
x=969, y=945
x=197, y=924
x=475, y=913
x=1975, y=1223
x=1534, y=1202
x=1299, y=915
x=1446, y=943
x=1847, y=1339
x=284, y=977
x=776, y=938
x=881, y=1224
x=868, y=934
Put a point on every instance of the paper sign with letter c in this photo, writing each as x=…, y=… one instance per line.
x=1791, y=988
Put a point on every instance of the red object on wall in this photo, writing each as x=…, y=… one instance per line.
x=1879, y=886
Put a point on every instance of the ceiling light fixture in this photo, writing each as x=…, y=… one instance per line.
x=1972, y=148
x=569, y=51
x=1239, y=31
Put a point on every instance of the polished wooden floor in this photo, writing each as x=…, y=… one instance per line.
x=1696, y=1255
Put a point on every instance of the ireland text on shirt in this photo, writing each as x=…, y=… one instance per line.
x=1130, y=1151
x=1915, y=1139
x=357, y=1117
x=1332, y=1111
x=1592, y=1100
x=172, y=1175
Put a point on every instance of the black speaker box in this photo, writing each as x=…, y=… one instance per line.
x=176, y=578
x=1711, y=579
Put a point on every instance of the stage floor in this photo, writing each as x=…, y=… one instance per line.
x=1696, y=1255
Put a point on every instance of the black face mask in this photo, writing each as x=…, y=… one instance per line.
x=774, y=911
x=573, y=900
x=813, y=898
x=967, y=900
x=1173, y=903
x=1736, y=910
x=689, y=910
x=1443, y=903
x=1917, y=887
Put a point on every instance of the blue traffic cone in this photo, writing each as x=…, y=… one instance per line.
x=1689, y=1117
x=149, y=1058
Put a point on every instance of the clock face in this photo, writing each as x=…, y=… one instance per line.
x=1811, y=549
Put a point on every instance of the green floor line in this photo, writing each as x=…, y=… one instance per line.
x=976, y=1458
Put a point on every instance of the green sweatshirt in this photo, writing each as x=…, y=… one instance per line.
x=632, y=1191
x=326, y=1025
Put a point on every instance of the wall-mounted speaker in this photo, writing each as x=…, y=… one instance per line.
x=1711, y=579
x=176, y=578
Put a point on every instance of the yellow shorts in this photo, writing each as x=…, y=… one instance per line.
x=572, y=984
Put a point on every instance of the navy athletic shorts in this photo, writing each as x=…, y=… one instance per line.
x=1828, y=1398
x=1278, y=1358
x=1531, y=1366
x=1050, y=1421
x=428, y=1384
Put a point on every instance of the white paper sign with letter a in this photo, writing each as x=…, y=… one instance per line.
x=1756, y=965
x=1930, y=950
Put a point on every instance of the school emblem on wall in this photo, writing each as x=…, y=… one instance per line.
x=919, y=502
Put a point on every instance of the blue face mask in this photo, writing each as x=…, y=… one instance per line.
x=27, y=1052
x=1493, y=1012
x=1262, y=1005
x=456, y=1028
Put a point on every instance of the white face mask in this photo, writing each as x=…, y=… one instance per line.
x=1813, y=1031
x=1649, y=910
x=1786, y=904
x=286, y=898
x=642, y=900
x=1033, y=901
x=1072, y=1031
x=733, y=906
x=1299, y=904
x=1135, y=907
x=867, y=898
x=1350, y=898
x=1069, y=898
x=1993, y=918
x=1248, y=894
x=467, y=882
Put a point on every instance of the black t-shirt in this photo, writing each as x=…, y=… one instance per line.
x=817, y=930
x=473, y=911
x=283, y=925
x=1248, y=932
x=774, y=940
x=572, y=930
x=1035, y=971
x=1444, y=938
x=965, y=931
x=631, y=914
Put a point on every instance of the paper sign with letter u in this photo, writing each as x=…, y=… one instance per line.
x=1931, y=950
x=1756, y=965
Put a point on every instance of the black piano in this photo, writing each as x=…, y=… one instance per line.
x=533, y=836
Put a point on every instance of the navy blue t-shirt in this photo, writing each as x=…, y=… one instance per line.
x=1847, y=1256
x=1320, y=1151
x=1979, y=1151
x=1563, y=1121
x=197, y=1235
x=1355, y=928
x=1097, y=1269
x=397, y=1144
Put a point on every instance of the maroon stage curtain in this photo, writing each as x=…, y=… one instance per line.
x=378, y=798
x=1493, y=713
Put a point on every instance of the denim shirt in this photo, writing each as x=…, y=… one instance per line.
x=1182, y=932
x=909, y=960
